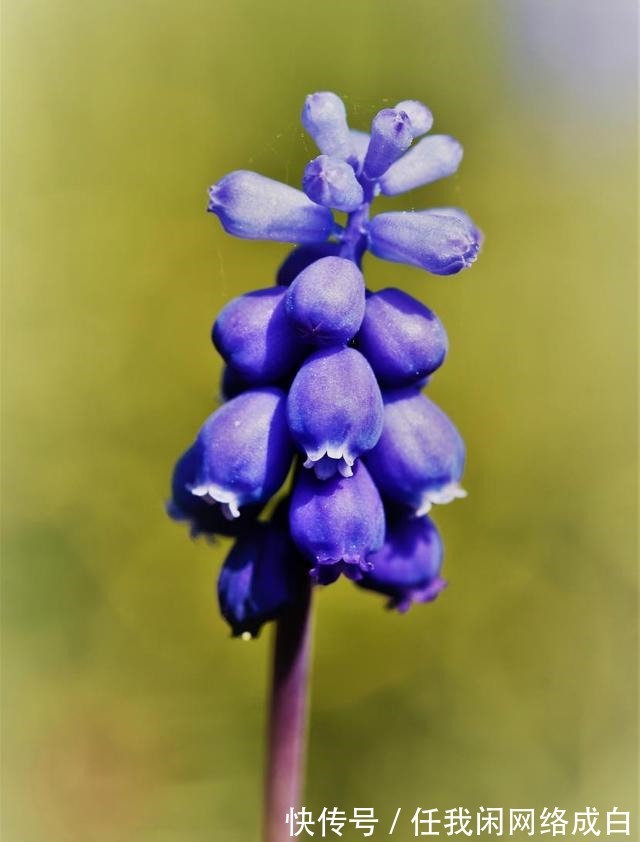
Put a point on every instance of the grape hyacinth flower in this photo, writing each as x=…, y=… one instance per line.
x=323, y=381
x=261, y=577
x=337, y=523
x=335, y=410
x=407, y=567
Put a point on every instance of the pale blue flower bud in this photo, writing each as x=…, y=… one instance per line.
x=332, y=183
x=325, y=118
x=252, y=206
x=420, y=116
x=442, y=242
x=391, y=135
x=434, y=157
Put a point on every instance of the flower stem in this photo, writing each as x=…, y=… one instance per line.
x=287, y=717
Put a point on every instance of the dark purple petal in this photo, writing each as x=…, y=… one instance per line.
x=244, y=451
x=252, y=206
x=326, y=301
x=391, y=135
x=436, y=156
x=254, y=335
x=335, y=410
x=232, y=384
x=337, y=523
x=440, y=242
x=402, y=339
x=419, y=459
x=407, y=567
x=332, y=183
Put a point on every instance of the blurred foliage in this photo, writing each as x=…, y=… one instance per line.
x=128, y=713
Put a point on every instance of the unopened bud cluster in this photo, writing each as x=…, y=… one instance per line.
x=326, y=378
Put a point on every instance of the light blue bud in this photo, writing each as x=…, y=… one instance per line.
x=332, y=183
x=441, y=241
x=436, y=156
x=252, y=206
x=420, y=116
x=391, y=135
x=325, y=118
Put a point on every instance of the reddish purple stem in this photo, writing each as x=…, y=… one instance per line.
x=287, y=718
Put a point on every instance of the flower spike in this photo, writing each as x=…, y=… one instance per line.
x=323, y=378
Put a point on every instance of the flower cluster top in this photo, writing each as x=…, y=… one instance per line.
x=352, y=170
x=325, y=377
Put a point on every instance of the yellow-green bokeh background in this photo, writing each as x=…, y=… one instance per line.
x=128, y=712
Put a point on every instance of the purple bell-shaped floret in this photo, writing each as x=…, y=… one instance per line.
x=402, y=339
x=244, y=451
x=252, y=206
x=335, y=410
x=407, y=567
x=326, y=302
x=262, y=576
x=337, y=523
x=256, y=338
x=419, y=459
x=203, y=517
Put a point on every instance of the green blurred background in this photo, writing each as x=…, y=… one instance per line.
x=128, y=712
